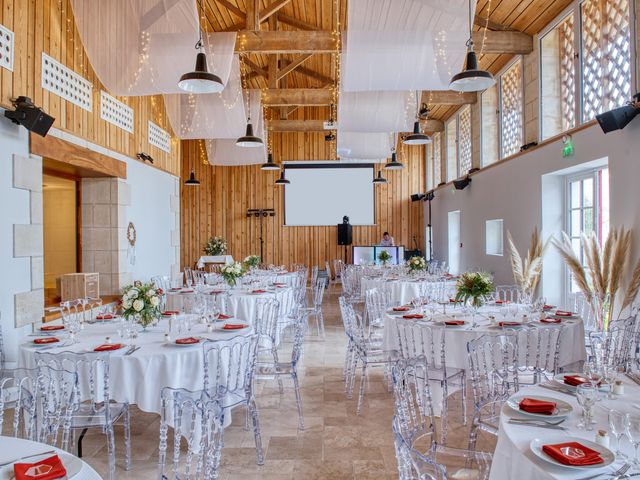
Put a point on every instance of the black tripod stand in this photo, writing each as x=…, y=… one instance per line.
x=261, y=214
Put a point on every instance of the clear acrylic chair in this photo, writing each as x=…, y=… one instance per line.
x=229, y=368
x=337, y=270
x=197, y=418
x=315, y=309
x=417, y=340
x=494, y=377
x=188, y=277
x=507, y=293
x=377, y=302
x=538, y=352
x=18, y=392
x=94, y=408
x=419, y=454
x=619, y=346
x=266, y=326
x=314, y=276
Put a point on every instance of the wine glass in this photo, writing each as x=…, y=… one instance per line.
x=593, y=372
x=633, y=434
x=609, y=376
x=587, y=395
x=617, y=426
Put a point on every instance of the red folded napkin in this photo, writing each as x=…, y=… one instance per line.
x=401, y=309
x=50, y=328
x=41, y=341
x=413, y=315
x=108, y=347
x=258, y=291
x=222, y=316
x=234, y=326
x=548, y=307
x=533, y=405
x=575, y=380
x=550, y=320
x=562, y=313
x=175, y=289
x=187, y=341
x=168, y=313
x=502, y=301
x=572, y=453
x=509, y=324
x=279, y=284
x=104, y=317
x=186, y=291
x=215, y=292
x=454, y=322
x=453, y=300
x=47, y=469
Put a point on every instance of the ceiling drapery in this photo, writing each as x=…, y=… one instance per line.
x=365, y=145
x=376, y=111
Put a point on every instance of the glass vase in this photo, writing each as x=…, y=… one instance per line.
x=600, y=306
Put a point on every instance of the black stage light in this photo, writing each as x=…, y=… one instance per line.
x=618, y=118
x=462, y=183
x=29, y=116
x=430, y=196
x=416, y=197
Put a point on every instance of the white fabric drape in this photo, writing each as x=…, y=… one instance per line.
x=376, y=111
x=365, y=146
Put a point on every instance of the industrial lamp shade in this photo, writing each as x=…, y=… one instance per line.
x=270, y=165
x=201, y=80
x=192, y=180
x=249, y=140
x=417, y=137
x=379, y=180
x=471, y=79
x=394, y=164
x=282, y=181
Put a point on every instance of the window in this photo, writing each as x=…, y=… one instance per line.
x=459, y=149
x=437, y=159
x=511, y=121
x=489, y=126
x=493, y=237
x=429, y=166
x=451, y=129
x=588, y=209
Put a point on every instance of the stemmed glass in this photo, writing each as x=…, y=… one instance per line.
x=617, y=426
x=633, y=434
x=587, y=395
x=593, y=372
x=609, y=375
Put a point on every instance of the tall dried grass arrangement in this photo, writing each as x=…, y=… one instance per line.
x=527, y=273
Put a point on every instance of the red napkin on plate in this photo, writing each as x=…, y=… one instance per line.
x=453, y=300
x=413, y=315
x=573, y=453
x=575, y=380
x=401, y=309
x=215, y=292
x=42, y=341
x=234, y=326
x=550, y=320
x=168, y=313
x=104, y=317
x=502, y=301
x=279, y=284
x=108, y=347
x=533, y=405
x=454, y=322
x=509, y=324
x=187, y=341
x=175, y=289
x=50, y=328
x=222, y=316
x=548, y=307
x=562, y=313
x=186, y=291
x=47, y=469
x=258, y=291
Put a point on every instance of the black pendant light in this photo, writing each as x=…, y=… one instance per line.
x=471, y=79
x=200, y=80
x=270, y=165
x=192, y=181
x=417, y=137
x=282, y=181
x=394, y=164
x=379, y=180
x=249, y=140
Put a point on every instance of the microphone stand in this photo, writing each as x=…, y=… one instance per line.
x=261, y=214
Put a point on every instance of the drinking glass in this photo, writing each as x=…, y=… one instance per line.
x=609, y=376
x=633, y=434
x=593, y=372
x=587, y=395
x=617, y=426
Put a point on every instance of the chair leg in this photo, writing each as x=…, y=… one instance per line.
x=363, y=385
x=473, y=435
x=296, y=386
x=444, y=414
x=352, y=375
x=463, y=380
x=111, y=451
x=320, y=319
x=253, y=409
x=127, y=440
x=274, y=352
x=82, y=434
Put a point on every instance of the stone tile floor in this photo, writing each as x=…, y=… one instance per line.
x=335, y=444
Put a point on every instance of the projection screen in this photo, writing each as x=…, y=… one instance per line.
x=322, y=193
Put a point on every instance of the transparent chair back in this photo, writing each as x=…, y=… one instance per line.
x=538, y=353
x=507, y=293
x=377, y=301
x=415, y=340
x=619, y=346
x=57, y=400
x=314, y=274
x=18, y=396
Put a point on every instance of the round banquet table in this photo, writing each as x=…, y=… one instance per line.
x=138, y=378
x=514, y=459
x=403, y=290
x=242, y=303
x=572, y=343
x=14, y=448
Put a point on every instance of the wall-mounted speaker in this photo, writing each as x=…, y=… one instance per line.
x=29, y=116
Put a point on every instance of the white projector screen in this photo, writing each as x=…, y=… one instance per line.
x=323, y=193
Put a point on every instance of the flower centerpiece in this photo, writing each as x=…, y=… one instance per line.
x=474, y=288
x=252, y=261
x=384, y=257
x=232, y=272
x=142, y=302
x=215, y=246
x=417, y=264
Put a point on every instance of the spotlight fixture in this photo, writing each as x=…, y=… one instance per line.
x=618, y=118
x=145, y=157
x=471, y=79
x=200, y=80
x=29, y=116
x=394, y=164
x=430, y=196
x=282, y=181
x=192, y=181
x=416, y=197
x=417, y=137
x=462, y=183
x=423, y=113
x=329, y=137
x=379, y=180
x=270, y=165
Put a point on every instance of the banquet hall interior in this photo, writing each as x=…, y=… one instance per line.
x=319, y=239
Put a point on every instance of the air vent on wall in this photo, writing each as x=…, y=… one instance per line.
x=114, y=111
x=159, y=138
x=6, y=48
x=66, y=83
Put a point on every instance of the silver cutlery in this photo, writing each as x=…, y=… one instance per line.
x=615, y=474
x=557, y=389
x=538, y=425
x=633, y=378
x=132, y=350
x=530, y=420
x=27, y=456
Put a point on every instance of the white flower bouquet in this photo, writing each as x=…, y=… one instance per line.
x=142, y=302
x=252, y=261
x=232, y=272
x=417, y=264
x=215, y=246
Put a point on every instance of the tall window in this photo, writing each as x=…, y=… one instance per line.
x=437, y=159
x=511, y=120
x=459, y=149
x=451, y=129
x=489, y=126
x=429, y=166
x=588, y=209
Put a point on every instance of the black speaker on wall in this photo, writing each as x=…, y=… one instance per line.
x=345, y=234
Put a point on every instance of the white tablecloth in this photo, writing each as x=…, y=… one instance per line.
x=402, y=290
x=514, y=459
x=12, y=448
x=139, y=378
x=225, y=259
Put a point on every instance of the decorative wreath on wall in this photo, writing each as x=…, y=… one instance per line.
x=131, y=234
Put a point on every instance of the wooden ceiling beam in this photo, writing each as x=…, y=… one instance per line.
x=487, y=41
x=256, y=41
x=253, y=15
x=293, y=65
x=295, y=125
x=309, y=73
x=447, y=97
x=232, y=8
x=483, y=22
x=272, y=8
x=297, y=96
x=255, y=67
x=294, y=22
x=432, y=125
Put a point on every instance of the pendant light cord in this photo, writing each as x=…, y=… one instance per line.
x=471, y=14
x=199, y=42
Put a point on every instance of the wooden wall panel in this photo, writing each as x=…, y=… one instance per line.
x=218, y=206
x=48, y=26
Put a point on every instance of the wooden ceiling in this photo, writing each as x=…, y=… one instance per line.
x=313, y=24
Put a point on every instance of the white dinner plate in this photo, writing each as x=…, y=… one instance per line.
x=559, y=378
x=72, y=465
x=536, y=447
x=562, y=408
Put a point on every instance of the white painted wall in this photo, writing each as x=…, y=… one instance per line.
x=513, y=191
